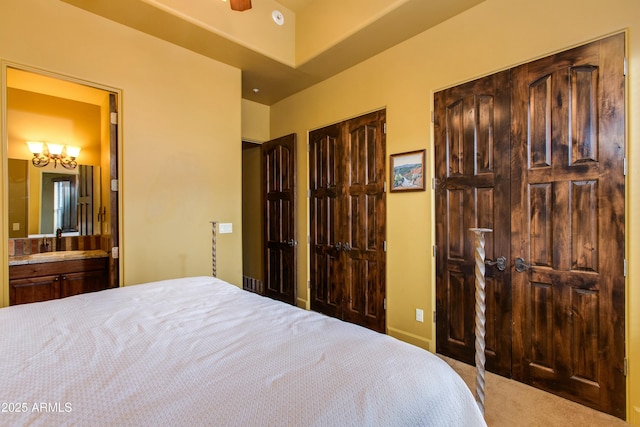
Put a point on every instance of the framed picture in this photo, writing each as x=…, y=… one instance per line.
x=407, y=171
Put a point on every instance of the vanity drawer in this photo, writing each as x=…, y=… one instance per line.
x=25, y=271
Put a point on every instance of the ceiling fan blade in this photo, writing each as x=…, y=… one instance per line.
x=240, y=4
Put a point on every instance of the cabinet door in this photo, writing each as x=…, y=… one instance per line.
x=36, y=289
x=82, y=282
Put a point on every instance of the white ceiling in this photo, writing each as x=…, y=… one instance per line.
x=276, y=80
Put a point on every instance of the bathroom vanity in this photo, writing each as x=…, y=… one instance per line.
x=51, y=275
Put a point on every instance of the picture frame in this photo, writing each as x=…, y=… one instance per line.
x=407, y=171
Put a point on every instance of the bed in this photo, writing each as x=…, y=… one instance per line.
x=200, y=351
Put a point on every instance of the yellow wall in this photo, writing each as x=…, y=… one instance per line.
x=36, y=117
x=255, y=121
x=180, y=135
x=495, y=35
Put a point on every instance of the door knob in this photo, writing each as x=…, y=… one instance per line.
x=521, y=265
x=346, y=247
x=292, y=243
x=338, y=246
x=500, y=263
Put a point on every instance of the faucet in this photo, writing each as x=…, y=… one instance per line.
x=45, y=246
x=58, y=239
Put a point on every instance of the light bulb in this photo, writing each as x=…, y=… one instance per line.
x=55, y=149
x=73, y=151
x=35, y=146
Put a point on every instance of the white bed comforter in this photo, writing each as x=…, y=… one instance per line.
x=199, y=351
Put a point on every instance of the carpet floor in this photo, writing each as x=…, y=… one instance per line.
x=510, y=403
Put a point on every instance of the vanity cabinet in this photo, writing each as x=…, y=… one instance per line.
x=51, y=280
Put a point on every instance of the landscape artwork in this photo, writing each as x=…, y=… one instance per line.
x=407, y=171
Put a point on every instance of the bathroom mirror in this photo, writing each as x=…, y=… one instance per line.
x=43, y=200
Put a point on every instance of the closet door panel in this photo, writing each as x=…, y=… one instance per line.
x=326, y=276
x=364, y=223
x=472, y=171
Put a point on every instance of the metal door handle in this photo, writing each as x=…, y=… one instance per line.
x=500, y=263
x=346, y=247
x=338, y=246
x=292, y=243
x=521, y=265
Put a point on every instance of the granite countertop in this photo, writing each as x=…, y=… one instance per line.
x=56, y=256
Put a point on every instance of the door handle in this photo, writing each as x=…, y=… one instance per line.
x=346, y=247
x=500, y=263
x=521, y=265
x=292, y=243
x=338, y=246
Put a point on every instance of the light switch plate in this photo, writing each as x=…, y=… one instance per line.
x=225, y=227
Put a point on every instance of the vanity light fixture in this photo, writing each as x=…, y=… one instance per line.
x=43, y=154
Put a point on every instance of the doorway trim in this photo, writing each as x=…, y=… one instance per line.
x=4, y=190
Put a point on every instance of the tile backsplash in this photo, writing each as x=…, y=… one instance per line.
x=27, y=246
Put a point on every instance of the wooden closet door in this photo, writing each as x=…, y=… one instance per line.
x=472, y=148
x=363, y=227
x=348, y=225
x=325, y=191
x=568, y=221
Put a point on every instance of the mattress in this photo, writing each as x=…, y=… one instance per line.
x=199, y=351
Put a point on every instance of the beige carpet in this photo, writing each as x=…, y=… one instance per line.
x=509, y=403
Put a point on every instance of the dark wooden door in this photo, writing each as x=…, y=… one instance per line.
x=114, y=230
x=85, y=200
x=568, y=224
x=472, y=190
x=347, y=220
x=565, y=258
x=326, y=190
x=279, y=161
x=363, y=228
